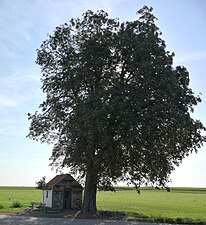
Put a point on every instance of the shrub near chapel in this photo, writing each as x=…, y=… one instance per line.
x=116, y=108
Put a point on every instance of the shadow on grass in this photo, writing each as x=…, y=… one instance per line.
x=117, y=215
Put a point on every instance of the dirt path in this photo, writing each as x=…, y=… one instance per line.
x=28, y=220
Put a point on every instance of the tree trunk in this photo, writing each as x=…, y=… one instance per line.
x=90, y=191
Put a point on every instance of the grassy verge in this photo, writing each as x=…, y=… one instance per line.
x=15, y=199
x=181, y=206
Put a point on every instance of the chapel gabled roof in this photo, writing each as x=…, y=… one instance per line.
x=59, y=178
x=55, y=180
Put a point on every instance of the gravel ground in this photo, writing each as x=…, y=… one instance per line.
x=30, y=220
x=35, y=217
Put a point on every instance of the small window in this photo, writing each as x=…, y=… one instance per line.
x=47, y=194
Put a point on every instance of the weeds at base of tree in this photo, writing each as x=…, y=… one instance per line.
x=16, y=204
x=1, y=206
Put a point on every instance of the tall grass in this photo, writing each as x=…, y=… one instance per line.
x=16, y=204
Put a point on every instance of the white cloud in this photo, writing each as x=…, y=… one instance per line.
x=19, y=87
x=3, y=132
x=193, y=56
x=25, y=25
x=5, y=102
x=107, y=5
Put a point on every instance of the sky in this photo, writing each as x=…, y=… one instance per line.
x=25, y=24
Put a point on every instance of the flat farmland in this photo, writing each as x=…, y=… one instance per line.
x=179, y=205
x=188, y=204
x=22, y=195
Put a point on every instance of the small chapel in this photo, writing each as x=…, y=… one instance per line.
x=62, y=192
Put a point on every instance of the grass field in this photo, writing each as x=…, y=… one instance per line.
x=179, y=205
x=22, y=195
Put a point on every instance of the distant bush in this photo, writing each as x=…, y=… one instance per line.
x=41, y=184
x=16, y=204
x=1, y=206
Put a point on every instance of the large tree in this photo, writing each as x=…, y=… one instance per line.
x=116, y=108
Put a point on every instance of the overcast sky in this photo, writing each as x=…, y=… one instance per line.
x=24, y=25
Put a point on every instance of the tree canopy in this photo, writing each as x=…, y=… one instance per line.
x=116, y=108
x=41, y=184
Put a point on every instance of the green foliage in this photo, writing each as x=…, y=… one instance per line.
x=116, y=108
x=1, y=206
x=41, y=184
x=16, y=204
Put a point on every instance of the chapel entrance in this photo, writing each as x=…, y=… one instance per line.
x=67, y=199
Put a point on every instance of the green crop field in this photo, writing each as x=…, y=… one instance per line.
x=186, y=204
x=178, y=205
x=23, y=195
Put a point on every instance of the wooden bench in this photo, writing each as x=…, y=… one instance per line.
x=37, y=205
